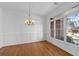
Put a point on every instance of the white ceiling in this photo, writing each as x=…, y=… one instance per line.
x=39, y=8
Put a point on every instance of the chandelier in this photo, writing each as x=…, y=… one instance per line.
x=29, y=21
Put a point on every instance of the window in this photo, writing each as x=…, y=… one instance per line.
x=58, y=33
x=59, y=29
x=72, y=32
x=66, y=29
x=52, y=28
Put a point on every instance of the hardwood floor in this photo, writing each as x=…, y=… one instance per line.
x=42, y=48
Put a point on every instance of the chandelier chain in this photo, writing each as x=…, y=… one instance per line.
x=29, y=9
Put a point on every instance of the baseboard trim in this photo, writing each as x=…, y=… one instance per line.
x=22, y=43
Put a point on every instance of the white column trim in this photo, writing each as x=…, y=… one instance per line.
x=54, y=28
x=65, y=27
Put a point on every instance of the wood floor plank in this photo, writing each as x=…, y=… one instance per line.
x=42, y=48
